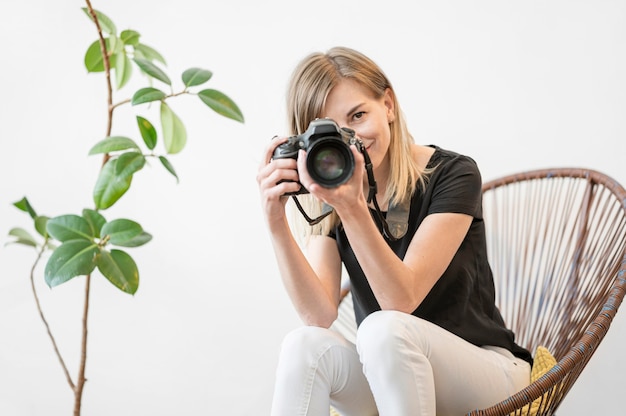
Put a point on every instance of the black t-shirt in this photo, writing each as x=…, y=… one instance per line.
x=463, y=299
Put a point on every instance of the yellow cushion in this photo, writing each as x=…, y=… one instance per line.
x=543, y=362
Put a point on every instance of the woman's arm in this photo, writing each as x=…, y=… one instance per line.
x=313, y=286
x=403, y=284
x=312, y=282
x=397, y=284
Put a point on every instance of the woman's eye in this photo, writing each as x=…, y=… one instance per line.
x=358, y=115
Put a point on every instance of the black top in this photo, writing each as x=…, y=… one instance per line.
x=463, y=299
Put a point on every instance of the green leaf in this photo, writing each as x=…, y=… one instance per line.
x=148, y=132
x=109, y=187
x=22, y=237
x=128, y=163
x=112, y=144
x=146, y=52
x=25, y=206
x=114, y=46
x=94, y=62
x=174, y=133
x=106, y=24
x=120, y=269
x=130, y=37
x=93, y=58
x=152, y=70
x=123, y=69
x=72, y=258
x=138, y=240
x=168, y=166
x=121, y=230
x=95, y=221
x=69, y=227
x=41, y=225
x=146, y=95
x=221, y=104
x=196, y=76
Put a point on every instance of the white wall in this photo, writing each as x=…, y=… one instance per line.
x=516, y=85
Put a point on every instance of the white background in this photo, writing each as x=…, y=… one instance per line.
x=516, y=85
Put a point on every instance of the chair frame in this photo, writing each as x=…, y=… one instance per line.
x=556, y=383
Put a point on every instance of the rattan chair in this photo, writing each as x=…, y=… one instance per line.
x=557, y=247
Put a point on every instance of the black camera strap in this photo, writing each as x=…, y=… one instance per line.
x=396, y=223
x=326, y=211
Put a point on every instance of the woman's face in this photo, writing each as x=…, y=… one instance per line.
x=352, y=105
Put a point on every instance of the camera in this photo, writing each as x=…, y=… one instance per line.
x=328, y=159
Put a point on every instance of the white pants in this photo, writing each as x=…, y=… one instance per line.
x=401, y=366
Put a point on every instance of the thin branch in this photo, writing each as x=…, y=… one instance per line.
x=80, y=382
x=107, y=71
x=83, y=353
x=126, y=101
x=43, y=318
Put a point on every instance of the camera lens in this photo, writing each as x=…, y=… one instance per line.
x=330, y=163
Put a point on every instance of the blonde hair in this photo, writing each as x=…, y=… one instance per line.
x=311, y=82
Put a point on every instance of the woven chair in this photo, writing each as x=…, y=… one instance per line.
x=557, y=247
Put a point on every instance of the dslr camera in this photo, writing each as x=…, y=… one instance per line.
x=328, y=157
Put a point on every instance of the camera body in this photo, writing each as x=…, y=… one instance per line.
x=329, y=159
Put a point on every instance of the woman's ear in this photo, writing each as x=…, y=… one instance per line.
x=388, y=100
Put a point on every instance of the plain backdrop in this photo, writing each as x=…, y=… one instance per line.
x=516, y=85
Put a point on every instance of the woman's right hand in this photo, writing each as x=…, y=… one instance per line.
x=275, y=178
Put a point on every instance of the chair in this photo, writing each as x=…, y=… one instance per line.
x=557, y=245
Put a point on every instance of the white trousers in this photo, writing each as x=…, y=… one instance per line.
x=401, y=366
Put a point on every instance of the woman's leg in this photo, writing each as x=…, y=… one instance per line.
x=318, y=367
x=417, y=368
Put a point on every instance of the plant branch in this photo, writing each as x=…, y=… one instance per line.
x=107, y=71
x=80, y=384
x=126, y=101
x=43, y=318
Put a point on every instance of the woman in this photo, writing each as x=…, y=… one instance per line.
x=430, y=339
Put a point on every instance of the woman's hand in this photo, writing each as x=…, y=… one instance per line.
x=343, y=197
x=275, y=178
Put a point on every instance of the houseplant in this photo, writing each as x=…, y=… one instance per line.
x=86, y=243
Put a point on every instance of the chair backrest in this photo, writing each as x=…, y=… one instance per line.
x=557, y=247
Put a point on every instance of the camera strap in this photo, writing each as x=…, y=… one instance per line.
x=326, y=211
x=395, y=225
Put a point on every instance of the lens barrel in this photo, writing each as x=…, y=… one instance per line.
x=330, y=161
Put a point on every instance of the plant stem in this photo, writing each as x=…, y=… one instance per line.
x=174, y=94
x=43, y=318
x=80, y=384
x=107, y=71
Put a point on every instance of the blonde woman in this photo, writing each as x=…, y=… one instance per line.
x=430, y=340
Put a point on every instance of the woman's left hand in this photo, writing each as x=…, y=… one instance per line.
x=343, y=197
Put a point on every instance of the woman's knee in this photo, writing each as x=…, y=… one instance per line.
x=382, y=332
x=307, y=342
